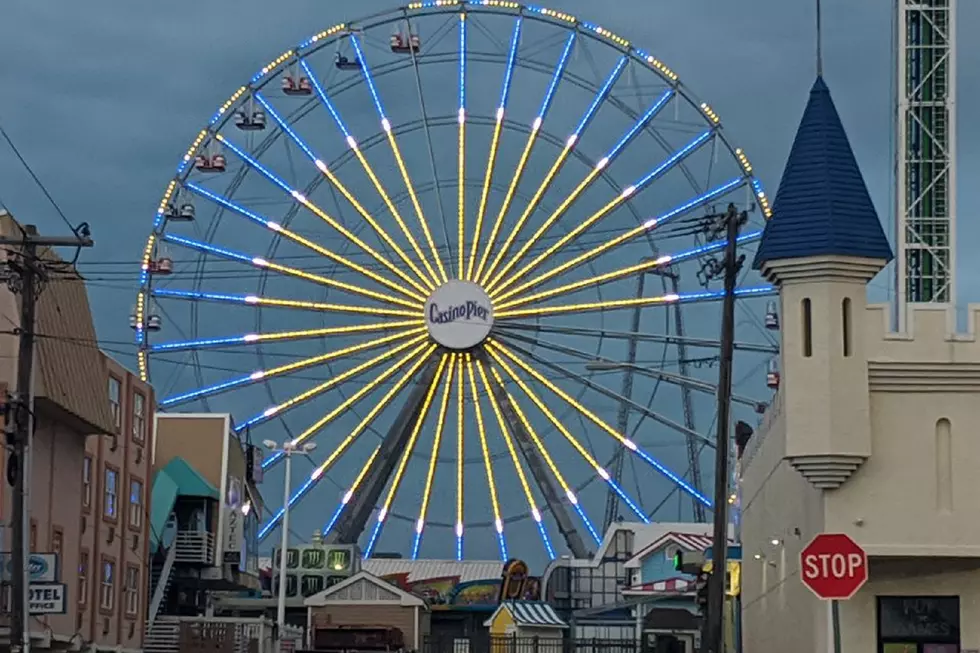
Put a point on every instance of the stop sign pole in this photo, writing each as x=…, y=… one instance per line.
x=834, y=567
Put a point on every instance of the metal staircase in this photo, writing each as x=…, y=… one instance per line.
x=160, y=578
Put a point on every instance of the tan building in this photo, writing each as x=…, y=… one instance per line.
x=871, y=433
x=69, y=497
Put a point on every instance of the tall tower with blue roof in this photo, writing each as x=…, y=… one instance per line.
x=822, y=245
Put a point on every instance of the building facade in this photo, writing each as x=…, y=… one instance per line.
x=871, y=432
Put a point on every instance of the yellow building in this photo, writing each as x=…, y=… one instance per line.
x=522, y=619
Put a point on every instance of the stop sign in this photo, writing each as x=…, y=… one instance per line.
x=833, y=566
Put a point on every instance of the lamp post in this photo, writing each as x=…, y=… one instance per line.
x=289, y=447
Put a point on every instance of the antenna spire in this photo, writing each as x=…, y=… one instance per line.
x=819, y=43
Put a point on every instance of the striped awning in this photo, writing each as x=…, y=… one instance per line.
x=534, y=613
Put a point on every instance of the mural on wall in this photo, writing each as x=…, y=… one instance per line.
x=449, y=593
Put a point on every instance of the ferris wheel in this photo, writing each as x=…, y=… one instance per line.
x=451, y=243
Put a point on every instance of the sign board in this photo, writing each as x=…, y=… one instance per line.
x=459, y=314
x=833, y=566
x=234, y=522
x=47, y=598
x=43, y=567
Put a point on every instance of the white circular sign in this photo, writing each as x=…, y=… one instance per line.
x=459, y=315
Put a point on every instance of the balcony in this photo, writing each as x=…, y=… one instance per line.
x=194, y=547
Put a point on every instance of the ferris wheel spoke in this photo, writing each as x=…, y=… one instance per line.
x=638, y=186
x=406, y=456
x=275, y=227
x=274, y=302
x=289, y=404
x=304, y=201
x=552, y=172
x=494, y=143
x=262, y=375
x=593, y=174
x=277, y=336
x=585, y=412
x=342, y=189
x=522, y=162
x=461, y=153
x=498, y=521
x=662, y=261
x=434, y=457
x=614, y=304
x=329, y=526
x=406, y=178
x=263, y=264
x=621, y=239
x=460, y=451
x=571, y=439
x=518, y=467
x=420, y=358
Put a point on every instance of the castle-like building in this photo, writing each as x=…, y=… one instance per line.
x=872, y=433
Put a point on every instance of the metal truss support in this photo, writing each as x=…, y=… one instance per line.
x=540, y=473
x=352, y=524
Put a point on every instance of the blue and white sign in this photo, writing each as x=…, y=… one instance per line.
x=46, y=598
x=459, y=315
x=43, y=567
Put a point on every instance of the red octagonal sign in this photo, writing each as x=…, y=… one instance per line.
x=833, y=566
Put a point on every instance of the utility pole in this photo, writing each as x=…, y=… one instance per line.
x=25, y=276
x=714, y=622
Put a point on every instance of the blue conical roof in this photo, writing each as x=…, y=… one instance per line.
x=822, y=207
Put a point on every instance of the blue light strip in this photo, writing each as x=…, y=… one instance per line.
x=694, y=203
x=628, y=501
x=550, y=550
x=515, y=40
x=369, y=549
x=503, y=547
x=333, y=519
x=244, y=156
x=459, y=547
x=587, y=522
x=210, y=249
x=266, y=530
x=462, y=62
x=600, y=96
x=556, y=77
x=674, y=159
x=416, y=544
x=208, y=390
x=203, y=296
x=199, y=343
x=367, y=77
x=324, y=99
x=285, y=126
x=641, y=123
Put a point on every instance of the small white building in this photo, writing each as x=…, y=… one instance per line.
x=871, y=433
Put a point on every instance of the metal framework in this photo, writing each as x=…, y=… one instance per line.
x=926, y=153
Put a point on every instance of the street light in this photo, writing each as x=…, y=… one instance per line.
x=289, y=447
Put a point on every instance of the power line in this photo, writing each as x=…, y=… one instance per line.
x=36, y=179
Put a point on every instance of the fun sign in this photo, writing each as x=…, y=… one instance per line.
x=833, y=566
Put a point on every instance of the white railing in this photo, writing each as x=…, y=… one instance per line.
x=195, y=547
x=163, y=581
x=168, y=634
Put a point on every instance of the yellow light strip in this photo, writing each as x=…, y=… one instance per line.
x=342, y=189
x=508, y=440
x=588, y=306
x=488, y=465
x=434, y=456
x=395, y=213
x=377, y=408
x=333, y=283
x=564, y=395
x=564, y=240
x=555, y=215
x=354, y=371
x=485, y=193
x=508, y=198
x=326, y=253
x=551, y=417
x=461, y=196
x=357, y=396
x=418, y=212
x=328, y=307
x=329, y=331
x=412, y=439
x=576, y=285
x=578, y=260
x=460, y=447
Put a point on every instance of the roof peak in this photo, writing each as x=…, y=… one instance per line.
x=822, y=207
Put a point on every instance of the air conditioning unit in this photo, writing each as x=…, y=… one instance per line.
x=139, y=455
x=115, y=443
x=111, y=535
x=84, y=523
x=136, y=542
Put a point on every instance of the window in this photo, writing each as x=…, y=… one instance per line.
x=82, y=577
x=57, y=540
x=132, y=590
x=139, y=417
x=87, y=483
x=807, y=328
x=114, y=393
x=135, y=503
x=107, y=594
x=845, y=317
x=111, y=505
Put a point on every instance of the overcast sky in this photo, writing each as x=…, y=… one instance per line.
x=102, y=98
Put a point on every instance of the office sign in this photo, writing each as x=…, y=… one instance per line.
x=46, y=598
x=43, y=567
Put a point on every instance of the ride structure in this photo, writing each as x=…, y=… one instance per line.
x=451, y=361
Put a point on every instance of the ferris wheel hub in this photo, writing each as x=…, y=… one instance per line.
x=459, y=315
